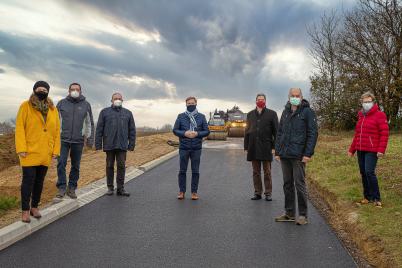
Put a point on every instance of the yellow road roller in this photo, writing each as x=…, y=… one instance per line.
x=217, y=128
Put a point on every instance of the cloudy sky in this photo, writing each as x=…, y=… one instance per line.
x=158, y=52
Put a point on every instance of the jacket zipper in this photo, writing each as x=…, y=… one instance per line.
x=72, y=124
x=361, y=132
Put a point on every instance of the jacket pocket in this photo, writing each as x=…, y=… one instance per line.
x=371, y=141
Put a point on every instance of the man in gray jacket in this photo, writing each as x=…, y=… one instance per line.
x=116, y=133
x=76, y=124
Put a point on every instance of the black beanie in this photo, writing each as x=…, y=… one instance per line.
x=41, y=84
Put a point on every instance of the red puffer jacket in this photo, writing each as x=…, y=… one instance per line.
x=371, y=133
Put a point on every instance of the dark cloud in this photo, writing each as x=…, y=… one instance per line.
x=2, y=71
x=212, y=49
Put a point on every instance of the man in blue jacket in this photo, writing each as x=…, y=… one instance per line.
x=295, y=143
x=76, y=124
x=191, y=127
x=116, y=132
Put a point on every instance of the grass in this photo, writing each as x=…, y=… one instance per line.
x=7, y=203
x=335, y=172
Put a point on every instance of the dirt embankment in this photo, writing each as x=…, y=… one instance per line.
x=93, y=164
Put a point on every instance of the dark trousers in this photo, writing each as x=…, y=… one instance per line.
x=118, y=156
x=185, y=156
x=257, y=180
x=294, y=175
x=31, y=186
x=75, y=152
x=367, y=165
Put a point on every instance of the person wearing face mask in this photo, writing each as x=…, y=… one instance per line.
x=37, y=141
x=370, y=142
x=191, y=127
x=116, y=133
x=77, y=124
x=259, y=140
x=294, y=147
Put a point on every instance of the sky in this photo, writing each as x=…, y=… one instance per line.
x=157, y=53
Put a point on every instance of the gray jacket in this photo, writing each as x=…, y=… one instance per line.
x=76, y=120
x=115, y=130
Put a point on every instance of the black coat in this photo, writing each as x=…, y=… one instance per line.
x=115, y=130
x=297, y=133
x=260, y=134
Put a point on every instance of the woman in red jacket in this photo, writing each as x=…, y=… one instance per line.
x=370, y=142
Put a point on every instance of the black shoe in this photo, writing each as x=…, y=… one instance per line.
x=122, y=192
x=110, y=191
x=256, y=197
x=71, y=193
x=268, y=197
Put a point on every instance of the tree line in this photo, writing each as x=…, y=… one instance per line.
x=354, y=52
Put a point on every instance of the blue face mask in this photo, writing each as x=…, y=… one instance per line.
x=191, y=108
x=295, y=101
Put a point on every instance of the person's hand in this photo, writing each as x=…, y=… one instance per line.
x=351, y=154
x=277, y=158
x=55, y=156
x=23, y=154
x=380, y=155
x=187, y=134
x=273, y=151
x=306, y=159
x=195, y=134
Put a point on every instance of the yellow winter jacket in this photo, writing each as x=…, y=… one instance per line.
x=38, y=139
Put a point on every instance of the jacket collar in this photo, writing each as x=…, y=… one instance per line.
x=75, y=100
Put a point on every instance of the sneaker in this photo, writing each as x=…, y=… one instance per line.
x=194, y=196
x=61, y=193
x=268, y=197
x=378, y=204
x=110, y=191
x=122, y=192
x=71, y=193
x=285, y=218
x=180, y=196
x=256, y=197
x=302, y=220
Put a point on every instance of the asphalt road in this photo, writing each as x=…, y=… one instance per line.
x=154, y=229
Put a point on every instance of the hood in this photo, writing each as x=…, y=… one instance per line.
x=79, y=99
x=304, y=104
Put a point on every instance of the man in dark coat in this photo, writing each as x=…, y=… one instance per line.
x=259, y=140
x=295, y=143
x=191, y=127
x=116, y=133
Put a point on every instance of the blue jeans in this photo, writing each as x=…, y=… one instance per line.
x=75, y=152
x=367, y=165
x=195, y=157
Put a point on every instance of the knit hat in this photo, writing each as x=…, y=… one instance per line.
x=41, y=84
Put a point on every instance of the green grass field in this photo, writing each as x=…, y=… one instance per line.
x=339, y=174
x=7, y=203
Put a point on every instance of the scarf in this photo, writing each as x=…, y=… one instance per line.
x=191, y=116
x=41, y=106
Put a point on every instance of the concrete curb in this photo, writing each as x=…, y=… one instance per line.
x=19, y=230
x=150, y=165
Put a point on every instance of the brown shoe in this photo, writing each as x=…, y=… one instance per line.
x=35, y=213
x=194, y=196
x=364, y=201
x=25, y=216
x=180, y=196
x=285, y=218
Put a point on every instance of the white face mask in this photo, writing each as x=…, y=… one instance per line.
x=367, y=106
x=74, y=94
x=117, y=103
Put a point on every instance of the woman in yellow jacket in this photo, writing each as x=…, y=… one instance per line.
x=37, y=141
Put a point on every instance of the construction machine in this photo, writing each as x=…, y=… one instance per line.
x=217, y=127
x=236, y=122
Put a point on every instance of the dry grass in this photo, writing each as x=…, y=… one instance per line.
x=377, y=232
x=92, y=168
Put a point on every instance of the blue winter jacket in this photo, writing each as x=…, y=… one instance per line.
x=183, y=124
